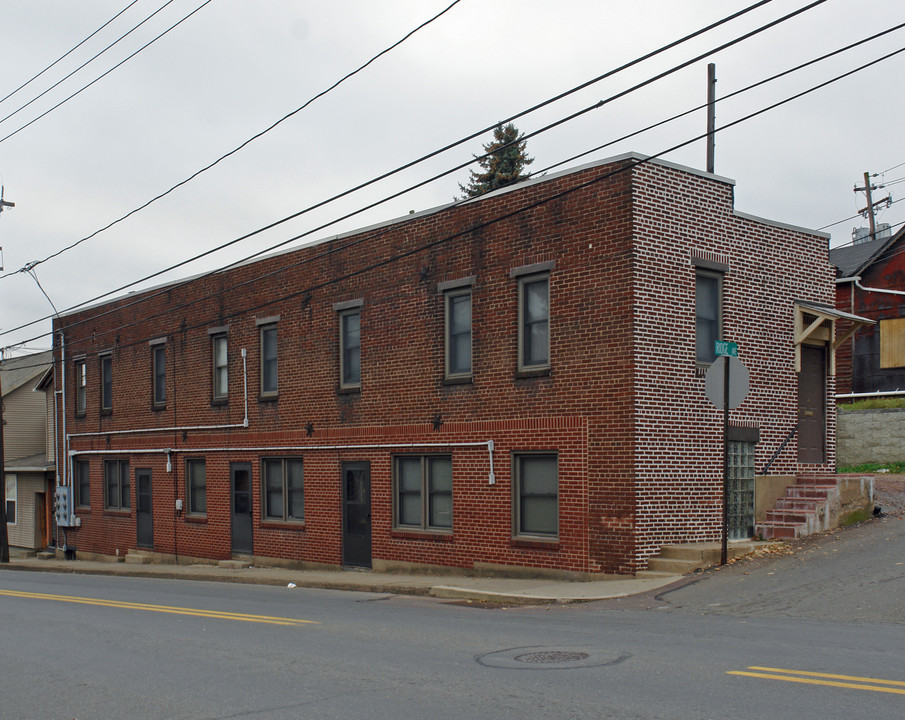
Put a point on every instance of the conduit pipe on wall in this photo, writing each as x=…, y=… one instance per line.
x=179, y=428
x=489, y=444
x=856, y=280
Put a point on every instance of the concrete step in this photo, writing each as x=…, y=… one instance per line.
x=137, y=557
x=234, y=564
x=673, y=566
x=46, y=555
x=642, y=574
x=788, y=517
x=779, y=531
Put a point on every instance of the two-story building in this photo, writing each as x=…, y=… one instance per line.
x=511, y=382
x=28, y=448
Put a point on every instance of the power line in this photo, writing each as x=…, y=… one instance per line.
x=235, y=150
x=102, y=76
x=427, y=246
x=90, y=60
x=410, y=164
x=66, y=54
x=726, y=97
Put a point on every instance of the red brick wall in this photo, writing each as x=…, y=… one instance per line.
x=586, y=235
x=639, y=464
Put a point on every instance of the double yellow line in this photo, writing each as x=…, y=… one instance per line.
x=215, y=614
x=815, y=678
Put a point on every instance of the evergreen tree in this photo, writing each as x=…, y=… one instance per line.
x=504, y=160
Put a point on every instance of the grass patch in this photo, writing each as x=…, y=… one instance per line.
x=880, y=403
x=853, y=518
x=896, y=467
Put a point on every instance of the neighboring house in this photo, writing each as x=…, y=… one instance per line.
x=871, y=283
x=28, y=449
x=511, y=382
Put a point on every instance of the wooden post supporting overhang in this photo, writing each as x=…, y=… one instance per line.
x=815, y=324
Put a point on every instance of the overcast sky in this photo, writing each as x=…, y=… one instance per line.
x=237, y=66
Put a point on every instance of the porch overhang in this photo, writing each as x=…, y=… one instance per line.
x=815, y=324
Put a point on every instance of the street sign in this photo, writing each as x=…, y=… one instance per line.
x=725, y=347
x=738, y=382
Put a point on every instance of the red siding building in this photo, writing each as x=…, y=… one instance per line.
x=871, y=283
x=511, y=382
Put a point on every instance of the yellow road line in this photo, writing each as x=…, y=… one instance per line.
x=812, y=678
x=828, y=675
x=215, y=614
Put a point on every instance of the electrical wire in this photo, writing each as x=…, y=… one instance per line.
x=102, y=76
x=397, y=194
x=66, y=54
x=87, y=62
x=407, y=165
x=631, y=165
x=238, y=148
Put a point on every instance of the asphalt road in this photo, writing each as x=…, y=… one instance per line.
x=824, y=620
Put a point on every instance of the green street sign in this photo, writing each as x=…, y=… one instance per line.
x=726, y=347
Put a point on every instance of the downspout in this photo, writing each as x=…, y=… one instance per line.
x=179, y=428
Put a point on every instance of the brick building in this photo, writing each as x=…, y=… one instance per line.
x=511, y=382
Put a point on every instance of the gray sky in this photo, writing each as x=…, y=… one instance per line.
x=235, y=67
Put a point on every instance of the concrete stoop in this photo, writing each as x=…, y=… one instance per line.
x=138, y=557
x=684, y=558
x=812, y=505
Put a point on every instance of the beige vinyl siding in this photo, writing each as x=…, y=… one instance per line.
x=25, y=415
x=22, y=533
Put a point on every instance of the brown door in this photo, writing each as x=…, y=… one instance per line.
x=812, y=405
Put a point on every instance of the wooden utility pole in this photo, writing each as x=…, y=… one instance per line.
x=4, y=535
x=869, y=210
x=711, y=116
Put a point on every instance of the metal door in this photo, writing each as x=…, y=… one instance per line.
x=144, y=515
x=240, y=483
x=356, y=489
x=812, y=405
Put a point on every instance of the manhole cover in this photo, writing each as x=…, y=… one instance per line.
x=551, y=656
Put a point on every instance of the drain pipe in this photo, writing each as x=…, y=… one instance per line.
x=169, y=452
x=856, y=281
x=179, y=428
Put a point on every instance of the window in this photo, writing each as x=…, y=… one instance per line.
x=350, y=348
x=12, y=483
x=534, y=323
x=159, y=371
x=81, y=387
x=708, y=320
x=269, y=360
x=116, y=485
x=196, y=487
x=106, y=383
x=423, y=492
x=82, y=483
x=220, y=367
x=458, y=333
x=892, y=343
x=284, y=495
x=536, y=495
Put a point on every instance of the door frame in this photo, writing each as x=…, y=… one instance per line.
x=233, y=466
x=356, y=547
x=139, y=514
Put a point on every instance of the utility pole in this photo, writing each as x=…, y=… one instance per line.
x=711, y=116
x=868, y=212
x=4, y=535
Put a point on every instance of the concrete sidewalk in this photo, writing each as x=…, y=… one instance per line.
x=482, y=589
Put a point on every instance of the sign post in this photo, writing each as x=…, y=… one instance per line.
x=726, y=386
